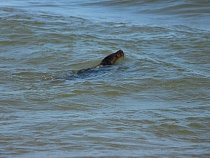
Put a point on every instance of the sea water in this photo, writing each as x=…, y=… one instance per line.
x=153, y=103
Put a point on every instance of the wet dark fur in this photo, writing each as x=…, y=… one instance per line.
x=109, y=60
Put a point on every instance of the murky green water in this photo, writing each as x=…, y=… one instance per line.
x=153, y=103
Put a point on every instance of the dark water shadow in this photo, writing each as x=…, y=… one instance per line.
x=89, y=74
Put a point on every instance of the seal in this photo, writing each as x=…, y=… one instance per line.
x=108, y=60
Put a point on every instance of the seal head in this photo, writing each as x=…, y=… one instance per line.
x=109, y=60
x=112, y=58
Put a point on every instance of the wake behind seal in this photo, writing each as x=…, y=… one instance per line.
x=108, y=60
